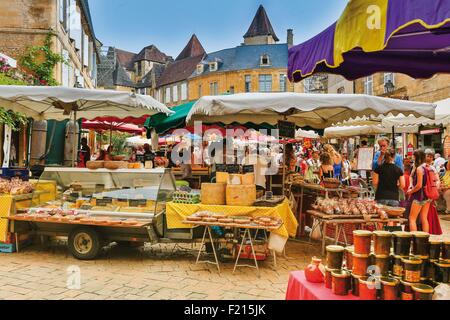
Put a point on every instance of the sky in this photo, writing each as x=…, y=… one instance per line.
x=168, y=24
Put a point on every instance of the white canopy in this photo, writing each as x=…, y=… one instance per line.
x=443, y=107
x=137, y=141
x=364, y=130
x=315, y=110
x=306, y=134
x=57, y=103
x=401, y=121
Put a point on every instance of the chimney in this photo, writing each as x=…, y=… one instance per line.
x=290, y=37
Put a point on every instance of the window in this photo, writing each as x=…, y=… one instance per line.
x=175, y=93
x=231, y=91
x=158, y=95
x=213, y=88
x=200, y=94
x=248, y=83
x=265, y=83
x=139, y=68
x=183, y=91
x=85, y=50
x=389, y=82
x=213, y=66
x=200, y=68
x=368, y=85
x=341, y=90
x=63, y=13
x=65, y=79
x=265, y=61
x=283, y=86
x=167, y=98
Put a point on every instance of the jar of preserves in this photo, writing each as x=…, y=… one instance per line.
x=424, y=266
x=360, y=264
x=367, y=288
x=349, y=257
x=421, y=243
x=389, y=288
x=382, y=242
x=397, y=267
x=341, y=282
x=443, y=271
x=422, y=291
x=407, y=292
x=411, y=270
x=355, y=285
x=435, y=249
x=335, y=257
x=446, y=250
x=402, y=243
x=362, y=240
x=328, y=277
x=431, y=272
x=382, y=263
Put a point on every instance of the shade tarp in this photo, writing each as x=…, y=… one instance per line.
x=114, y=126
x=402, y=121
x=443, y=107
x=309, y=134
x=364, y=130
x=162, y=122
x=404, y=36
x=57, y=103
x=314, y=110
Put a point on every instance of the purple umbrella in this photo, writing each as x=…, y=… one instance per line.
x=415, y=40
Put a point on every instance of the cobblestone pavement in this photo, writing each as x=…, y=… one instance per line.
x=160, y=272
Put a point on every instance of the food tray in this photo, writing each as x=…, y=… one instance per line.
x=394, y=211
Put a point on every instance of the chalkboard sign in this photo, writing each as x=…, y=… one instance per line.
x=221, y=168
x=140, y=158
x=122, y=200
x=286, y=129
x=149, y=157
x=137, y=202
x=233, y=168
x=248, y=169
x=103, y=202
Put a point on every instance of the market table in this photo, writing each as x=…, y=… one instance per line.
x=323, y=220
x=176, y=213
x=301, y=289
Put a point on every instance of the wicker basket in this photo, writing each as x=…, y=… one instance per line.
x=93, y=165
x=118, y=158
x=114, y=165
x=331, y=183
x=394, y=211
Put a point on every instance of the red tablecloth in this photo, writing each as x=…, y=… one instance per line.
x=300, y=289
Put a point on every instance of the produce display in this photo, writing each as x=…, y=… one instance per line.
x=185, y=197
x=355, y=207
x=15, y=186
x=221, y=219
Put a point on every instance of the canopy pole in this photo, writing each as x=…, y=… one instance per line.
x=110, y=134
x=74, y=150
x=393, y=138
x=284, y=169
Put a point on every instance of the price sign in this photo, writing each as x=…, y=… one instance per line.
x=221, y=168
x=286, y=129
x=233, y=168
x=365, y=158
x=103, y=202
x=137, y=202
x=248, y=169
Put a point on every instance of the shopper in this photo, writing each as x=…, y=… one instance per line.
x=439, y=164
x=416, y=194
x=85, y=151
x=445, y=190
x=291, y=160
x=314, y=161
x=336, y=159
x=326, y=169
x=346, y=172
x=384, y=143
x=388, y=179
x=433, y=218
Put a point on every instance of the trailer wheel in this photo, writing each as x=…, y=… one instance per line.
x=84, y=243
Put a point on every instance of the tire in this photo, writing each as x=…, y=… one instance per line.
x=84, y=243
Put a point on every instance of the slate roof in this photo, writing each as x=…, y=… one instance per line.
x=261, y=25
x=126, y=58
x=246, y=57
x=146, y=81
x=193, y=48
x=152, y=53
x=179, y=70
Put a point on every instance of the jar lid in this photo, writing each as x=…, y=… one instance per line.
x=435, y=241
x=420, y=234
x=367, y=280
x=402, y=234
x=421, y=257
x=412, y=261
x=388, y=281
x=355, y=276
x=381, y=256
x=340, y=274
x=405, y=283
x=334, y=248
x=447, y=241
x=357, y=255
x=350, y=248
x=422, y=288
x=443, y=264
x=381, y=233
x=400, y=257
x=362, y=233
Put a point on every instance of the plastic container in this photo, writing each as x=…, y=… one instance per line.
x=389, y=288
x=335, y=257
x=435, y=249
x=341, y=283
x=421, y=243
x=422, y=292
x=412, y=268
x=382, y=242
x=367, y=288
x=402, y=243
x=360, y=264
x=362, y=241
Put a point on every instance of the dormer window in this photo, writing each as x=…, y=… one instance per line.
x=200, y=68
x=213, y=66
x=265, y=61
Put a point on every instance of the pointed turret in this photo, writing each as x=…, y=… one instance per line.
x=261, y=30
x=193, y=49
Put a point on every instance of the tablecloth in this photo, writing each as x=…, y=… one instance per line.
x=300, y=289
x=177, y=212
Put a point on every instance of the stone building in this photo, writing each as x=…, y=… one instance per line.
x=26, y=23
x=257, y=65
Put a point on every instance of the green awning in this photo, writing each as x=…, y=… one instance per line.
x=163, y=123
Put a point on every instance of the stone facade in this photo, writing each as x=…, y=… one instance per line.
x=26, y=23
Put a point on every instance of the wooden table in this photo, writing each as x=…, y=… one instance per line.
x=340, y=220
x=246, y=236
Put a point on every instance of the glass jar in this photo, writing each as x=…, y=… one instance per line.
x=402, y=243
x=421, y=243
x=328, y=277
x=407, y=292
x=349, y=257
x=382, y=262
x=411, y=270
x=382, y=242
x=446, y=250
x=397, y=268
x=362, y=241
x=422, y=292
x=360, y=264
x=435, y=249
x=355, y=285
x=335, y=257
x=367, y=288
x=389, y=288
x=443, y=271
x=341, y=282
